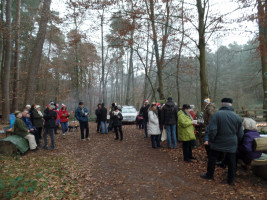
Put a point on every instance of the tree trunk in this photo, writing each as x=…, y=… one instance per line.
x=2, y=35
x=202, y=53
x=102, y=59
x=17, y=53
x=37, y=54
x=7, y=63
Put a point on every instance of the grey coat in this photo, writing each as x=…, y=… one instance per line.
x=225, y=130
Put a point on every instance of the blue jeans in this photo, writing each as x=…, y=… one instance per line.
x=171, y=135
x=145, y=126
x=64, y=126
x=104, y=127
x=49, y=131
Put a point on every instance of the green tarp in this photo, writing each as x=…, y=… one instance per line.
x=21, y=143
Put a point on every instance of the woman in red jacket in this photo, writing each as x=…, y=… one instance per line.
x=63, y=113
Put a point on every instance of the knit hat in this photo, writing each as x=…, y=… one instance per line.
x=146, y=101
x=186, y=106
x=28, y=106
x=169, y=99
x=38, y=106
x=208, y=100
x=80, y=103
x=227, y=100
x=16, y=112
x=116, y=107
x=63, y=105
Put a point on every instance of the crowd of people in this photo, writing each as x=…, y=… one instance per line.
x=227, y=138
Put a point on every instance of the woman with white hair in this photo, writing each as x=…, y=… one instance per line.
x=245, y=150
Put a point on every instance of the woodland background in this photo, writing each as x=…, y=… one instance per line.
x=127, y=51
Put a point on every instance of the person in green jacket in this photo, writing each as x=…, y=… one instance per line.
x=186, y=131
x=20, y=129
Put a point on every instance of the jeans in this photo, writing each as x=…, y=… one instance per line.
x=104, y=127
x=64, y=126
x=187, y=150
x=49, y=131
x=84, y=125
x=116, y=132
x=171, y=135
x=155, y=139
x=145, y=126
x=231, y=161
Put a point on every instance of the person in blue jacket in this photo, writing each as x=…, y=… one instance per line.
x=81, y=115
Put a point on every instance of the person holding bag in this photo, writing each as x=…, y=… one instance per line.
x=153, y=129
x=186, y=131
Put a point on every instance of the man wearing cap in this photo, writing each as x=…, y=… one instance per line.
x=144, y=112
x=225, y=132
x=81, y=115
x=50, y=117
x=38, y=120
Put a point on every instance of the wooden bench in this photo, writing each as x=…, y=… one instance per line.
x=259, y=166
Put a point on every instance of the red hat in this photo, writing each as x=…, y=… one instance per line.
x=158, y=104
x=146, y=101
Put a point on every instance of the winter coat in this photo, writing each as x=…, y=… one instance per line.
x=28, y=123
x=245, y=149
x=20, y=128
x=80, y=115
x=153, y=122
x=208, y=112
x=104, y=113
x=37, y=119
x=50, y=117
x=63, y=114
x=169, y=114
x=225, y=130
x=98, y=114
x=116, y=121
x=144, y=111
x=185, y=127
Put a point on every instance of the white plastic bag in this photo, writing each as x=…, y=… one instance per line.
x=164, y=135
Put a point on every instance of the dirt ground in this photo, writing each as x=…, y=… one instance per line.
x=104, y=168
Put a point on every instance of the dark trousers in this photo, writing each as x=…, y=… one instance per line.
x=116, y=132
x=36, y=136
x=231, y=161
x=84, y=125
x=98, y=125
x=145, y=126
x=39, y=132
x=187, y=150
x=49, y=131
x=154, y=140
x=140, y=123
x=207, y=148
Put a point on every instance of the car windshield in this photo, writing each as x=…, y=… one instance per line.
x=128, y=110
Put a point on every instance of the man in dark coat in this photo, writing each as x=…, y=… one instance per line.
x=98, y=117
x=104, y=112
x=110, y=125
x=117, y=118
x=144, y=112
x=50, y=117
x=225, y=132
x=81, y=115
x=169, y=120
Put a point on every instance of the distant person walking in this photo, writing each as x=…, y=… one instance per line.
x=117, y=118
x=144, y=113
x=225, y=132
x=104, y=112
x=153, y=129
x=169, y=119
x=98, y=117
x=81, y=115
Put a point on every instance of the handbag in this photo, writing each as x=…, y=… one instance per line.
x=164, y=135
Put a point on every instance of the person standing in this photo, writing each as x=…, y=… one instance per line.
x=169, y=119
x=117, y=118
x=144, y=113
x=81, y=115
x=104, y=127
x=50, y=117
x=209, y=110
x=110, y=125
x=38, y=121
x=98, y=117
x=225, y=132
x=186, y=131
x=153, y=129
x=63, y=114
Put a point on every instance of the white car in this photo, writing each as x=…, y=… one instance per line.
x=129, y=114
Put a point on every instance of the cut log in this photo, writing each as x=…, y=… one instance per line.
x=8, y=148
x=260, y=144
